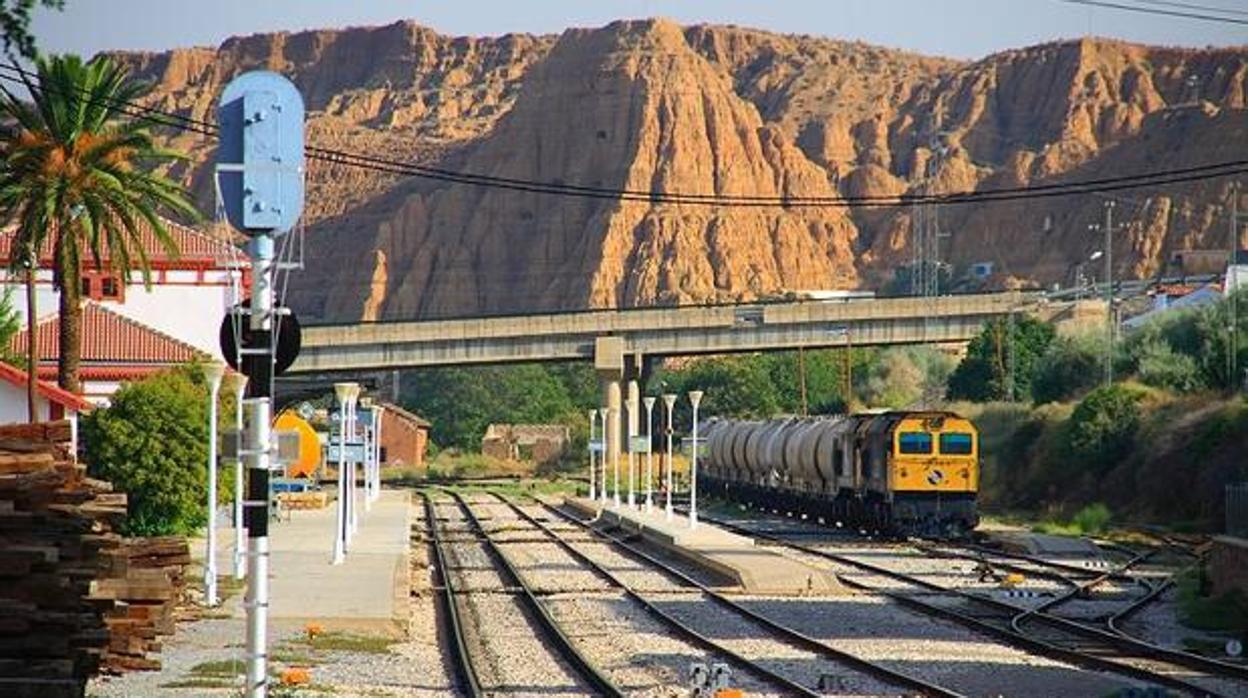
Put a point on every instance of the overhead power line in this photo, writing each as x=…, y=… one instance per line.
x=15, y=74
x=1194, y=6
x=1158, y=11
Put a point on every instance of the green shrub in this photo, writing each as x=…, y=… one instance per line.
x=1092, y=519
x=1103, y=425
x=1071, y=365
x=151, y=443
x=1160, y=366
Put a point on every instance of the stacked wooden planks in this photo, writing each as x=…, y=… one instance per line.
x=75, y=597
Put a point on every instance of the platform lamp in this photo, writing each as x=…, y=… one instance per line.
x=593, y=485
x=377, y=412
x=342, y=391
x=649, y=403
x=236, y=383
x=630, y=407
x=367, y=404
x=695, y=397
x=602, y=461
x=669, y=399
x=213, y=372
x=353, y=520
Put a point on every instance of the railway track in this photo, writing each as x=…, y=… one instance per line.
x=549, y=655
x=836, y=660
x=1034, y=630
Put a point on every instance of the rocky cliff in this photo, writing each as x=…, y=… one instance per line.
x=649, y=105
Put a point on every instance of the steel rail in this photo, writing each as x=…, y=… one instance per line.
x=462, y=657
x=601, y=684
x=1126, y=647
x=789, y=635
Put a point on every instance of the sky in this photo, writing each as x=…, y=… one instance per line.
x=955, y=28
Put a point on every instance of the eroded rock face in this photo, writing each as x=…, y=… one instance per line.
x=648, y=105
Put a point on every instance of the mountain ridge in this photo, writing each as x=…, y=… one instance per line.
x=651, y=105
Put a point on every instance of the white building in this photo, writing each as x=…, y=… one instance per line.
x=130, y=330
x=189, y=294
x=51, y=402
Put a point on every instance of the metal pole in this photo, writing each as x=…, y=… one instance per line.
x=615, y=460
x=649, y=402
x=212, y=373
x=695, y=396
x=1230, y=283
x=352, y=503
x=1109, y=293
x=342, y=392
x=593, y=486
x=238, y=382
x=260, y=372
x=670, y=401
x=378, y=411
x=631, y=406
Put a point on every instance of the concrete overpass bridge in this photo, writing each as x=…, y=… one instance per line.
x=619, y=341
x=606, y=336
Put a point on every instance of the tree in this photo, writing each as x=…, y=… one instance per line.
x=1104, y=424
x=151, y=443
x=79, y=174
x=987, y=371
x=1071, y=366
x=15, y=23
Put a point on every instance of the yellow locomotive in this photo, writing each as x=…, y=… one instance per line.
x=913, y=473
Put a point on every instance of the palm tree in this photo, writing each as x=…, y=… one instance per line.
x=79, y=174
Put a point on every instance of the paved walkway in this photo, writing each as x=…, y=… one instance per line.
x=368, y=592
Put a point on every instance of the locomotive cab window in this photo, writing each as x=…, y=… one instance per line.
x=956, y=443
x=914, y=442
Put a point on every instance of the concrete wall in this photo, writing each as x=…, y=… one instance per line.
x=13, y=404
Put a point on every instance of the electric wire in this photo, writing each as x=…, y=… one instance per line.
x=1157, y=11
x=1194, y=6
x=378, y=164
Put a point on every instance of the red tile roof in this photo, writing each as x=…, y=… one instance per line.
x=53, y=393
x=195, y=247
x=111, y=339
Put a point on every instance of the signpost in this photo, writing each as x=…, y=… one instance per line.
x=260, y=177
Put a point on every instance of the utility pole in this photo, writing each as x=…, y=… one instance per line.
x=1108, y=228
x=1109, y=293
x=1231, y=284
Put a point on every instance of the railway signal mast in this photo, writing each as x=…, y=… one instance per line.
x=260, y=178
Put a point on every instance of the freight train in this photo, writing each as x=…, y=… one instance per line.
x=892, y=473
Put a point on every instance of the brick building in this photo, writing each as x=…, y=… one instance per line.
x=404, y=437
x=544, y=444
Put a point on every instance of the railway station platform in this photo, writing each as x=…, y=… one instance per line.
x=367, y=593
x=754, y=569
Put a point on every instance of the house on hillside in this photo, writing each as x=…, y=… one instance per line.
x=115, y=349
x=189, y=294
x=544, y=444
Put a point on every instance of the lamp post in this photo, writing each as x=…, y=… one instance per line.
x=213, y=373
x=630, y=408
x=669, y=399
x=367, y=404
x=352, y=509
x=236, y=383
x=649, y=403
x=593, y=489
x=602, y=461
x=342, y=391
x=615, y=453
x=695, y=396
x=377, y=411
